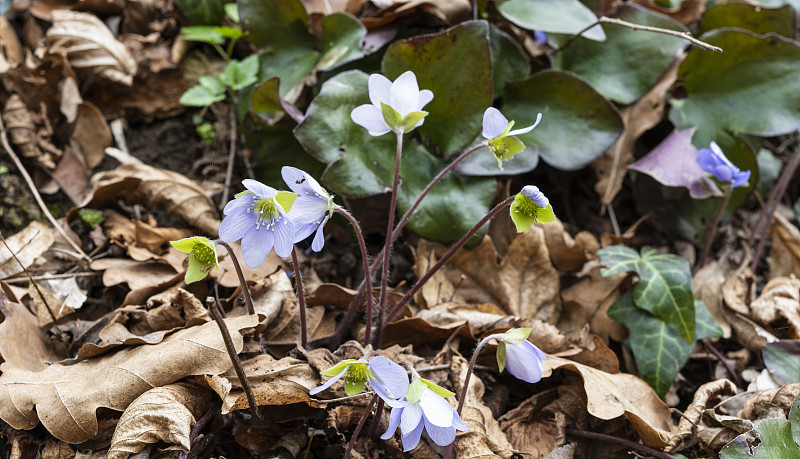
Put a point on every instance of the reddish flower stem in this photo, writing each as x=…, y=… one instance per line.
x=367, y=276
x=248, y=300
x=713, y=230
x=301, y=300
x=620, y=441
x=359, y=426
x=387, y=248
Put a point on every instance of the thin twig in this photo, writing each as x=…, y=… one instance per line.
x=607, y=20
x=725, y=363
x=359, y=426
x=35, y=192
x=231, y=156
x=198, y=427
x=301, y=300
x=620, y=441
x=16, y=280
x=378, y=415
x=237, y=364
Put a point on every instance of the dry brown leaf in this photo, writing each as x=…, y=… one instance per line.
x=690, y=421
x=90, y=46
x=11, y=53
x=27, y=245
x=784, y=259
x=779, y=301
x=136, y=274
x=65, y=398
x=55, y=298
x=637, y=118
x=54, y=449
x=523, y=284
x=567, y=253
x=610, y=396
x=773, y=403
x=157, y=189
x=532, y=428
x=22, y=343
x=447, y=11
x=162, y=414
x=71, y=176
x=588, y=300
x=92, y=134
x=227, y=276
x=327, y=7
x=707, y=287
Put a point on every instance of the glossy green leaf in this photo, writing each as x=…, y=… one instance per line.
x=509, y=60
x=459, y=97
x=438, y=389
x=750, y=88
x=342, y=37
x=557, y=16
x=660, y=352
x=664, y=288
x=266, y=97
x=769, y=439
x=202, y=12
x=794, y=419
x=516, y=335
x=782, y=359
x=274, y=147
x=754, y=18
x=615, y=67
x=91, y=217
x=203, y=34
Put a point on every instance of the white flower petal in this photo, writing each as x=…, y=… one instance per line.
x=379, y=89
x=405, y=93
x=527, y=129
x=307, y=209
x=284, y=231
x=328, y=384
x=391, y=375
x=436, y=408
x=412, y=417
x=442, y=436
x=494, y=123
x=523, y=363
x=394, y=421
x=425, y=96
x=411, y=439
x=256, y=245
x=240, y=204
x=263, y=191
x=371, y=118
x=319, y=238
x=235, y=226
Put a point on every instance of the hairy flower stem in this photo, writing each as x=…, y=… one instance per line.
x=248, y=300
x=361, y=421
x=387, y=248
x=445, y=258
x=621, y=441
x=367, y=278
x=464, y=389
x=337, y=337
x=377, y=421
x=769, y=211
x=713, y=230
x=301, y=300
x=237, y=364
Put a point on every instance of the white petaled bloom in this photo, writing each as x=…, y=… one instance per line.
x=312, y=208
x=258, y=218
x=396, y=106
x=500, y=137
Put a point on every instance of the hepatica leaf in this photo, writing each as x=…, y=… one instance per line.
x=754, y=18
x=782, y=359
x=456, y=66
x=664, y=288
x=615, y=67
x=750, y=88
x=509, y=61
x=769, y=439
x=659, y=350
x=557, y=16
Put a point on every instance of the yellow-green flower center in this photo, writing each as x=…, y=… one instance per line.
x=204, y=254
x=526, y=206
x=498, y=147
x=267, y=211
x=357, y=372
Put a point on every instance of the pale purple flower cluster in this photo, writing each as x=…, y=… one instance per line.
x=713, y=161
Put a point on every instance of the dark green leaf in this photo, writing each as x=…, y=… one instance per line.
x=202, y=12
x=266, y=97
x=664, y=288
x=557, y=16
x=782, y=359
x=509, y=61
x=794, y=419
x=342, y=36
x=459, y=97
x=754, y=18
x=615, y=67
x=769, y=439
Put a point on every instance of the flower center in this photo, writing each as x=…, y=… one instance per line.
x=498, y=147
x=527, y=207
x=204, y=254
x=357, y=372
x=268, y=213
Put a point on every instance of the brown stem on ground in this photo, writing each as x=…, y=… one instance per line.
x=620, y=441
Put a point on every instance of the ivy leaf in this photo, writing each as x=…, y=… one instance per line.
x=782, y=359
x=664, y=288
x=659, y=350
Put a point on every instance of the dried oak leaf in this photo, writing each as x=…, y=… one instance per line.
x=90, y=46
x=156, y=189
x=773, y=403
x=779, y=301
x=690, y=424
x=22, y=343
x=27, y=245
x=784, y=259
x=65, y=398
x=610, y=396
x=162, y=414
x=523, y=284
x=567, y=253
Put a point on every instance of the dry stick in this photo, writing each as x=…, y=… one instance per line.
x=14, y=280
x=725, y=363
x=301, y=299
x=237, y=364
x=245, y=291
x=620, y=441
x=231, y=157
x=783, y=183
x=367, y=275
x=36, y=195
x=607, y=20
x=359, y=426
x=713, y=230
x=197, y=428
x=395, y=233
x=446, y=257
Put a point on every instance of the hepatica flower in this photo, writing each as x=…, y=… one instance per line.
x=424, y=407
x=713, y=161
x=203, y=256
x=388, y=379
x=312, y=208
x=396, y=106
x=258, y=217
x=521, y=358
x=531, y=206
x=501, y=140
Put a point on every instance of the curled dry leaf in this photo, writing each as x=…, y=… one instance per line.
x=784, y=259
x=156, y=189
x=136, y=274
x=90, y=46
x=532, y=427
x=610, y=396
x=55, y=298
x=769, y=404
x=567, y=253
x=779, y=301
x=65, y=398
x=22, y=343
x=587, y=302
x=162, y=414
x=11, y=52
x=27, y=245
x=523, y=284
x=92, y=134
x=690, y=424
x=707, y=287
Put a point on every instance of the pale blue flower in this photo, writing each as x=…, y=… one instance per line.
x=312, y=208
x=388, y=379
x=713, y=161
x=519, y=356
x=258, y=218
x=403, y=99
x=500, y=137
x=424, y=408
